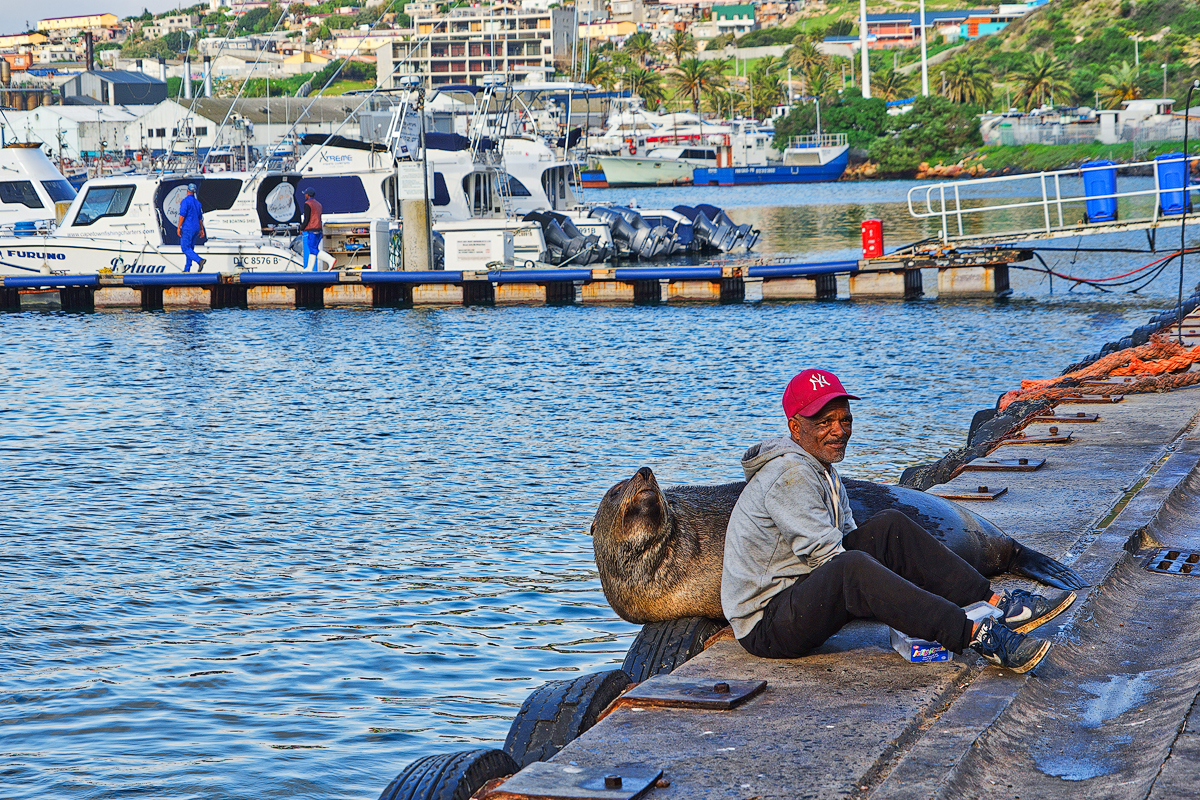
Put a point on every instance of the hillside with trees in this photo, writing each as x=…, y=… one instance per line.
x=1096, y=53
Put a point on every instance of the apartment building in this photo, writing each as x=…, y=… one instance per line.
x=161, y=27
x=469, y=43
x=60, y=26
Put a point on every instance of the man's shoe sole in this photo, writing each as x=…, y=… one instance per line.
x=1033, y=624
x=1033, y=662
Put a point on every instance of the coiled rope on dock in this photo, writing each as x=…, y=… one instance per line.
x=1158, y=366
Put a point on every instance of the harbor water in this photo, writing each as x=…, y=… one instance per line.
x=281, y=554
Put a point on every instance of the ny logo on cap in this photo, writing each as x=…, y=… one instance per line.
x=817, y=381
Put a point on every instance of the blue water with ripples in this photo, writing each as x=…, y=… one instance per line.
x=280, y=554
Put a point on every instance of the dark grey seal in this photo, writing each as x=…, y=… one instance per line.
x=659, y=552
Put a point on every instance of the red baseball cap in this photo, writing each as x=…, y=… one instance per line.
x=810, y=391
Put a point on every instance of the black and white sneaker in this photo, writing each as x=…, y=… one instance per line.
x=1023, y=611
x=1007, y=648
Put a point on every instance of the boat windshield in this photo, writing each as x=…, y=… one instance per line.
x=60, y=191
x=103, y=201
x=19, y=193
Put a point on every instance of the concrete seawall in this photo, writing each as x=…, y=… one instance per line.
x=1109, y=713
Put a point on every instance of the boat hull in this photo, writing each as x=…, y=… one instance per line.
x=773, y=173
x=633, y=171
x=77, y=256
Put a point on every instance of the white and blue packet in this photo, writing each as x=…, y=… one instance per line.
x=923, y=651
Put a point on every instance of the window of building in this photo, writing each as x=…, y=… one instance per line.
x=162, y=133
x=202, y=130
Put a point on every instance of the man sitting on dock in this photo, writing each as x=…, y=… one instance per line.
x=797, y=567
x=191, y=226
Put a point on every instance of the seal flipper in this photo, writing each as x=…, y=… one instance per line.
x=1030, y=563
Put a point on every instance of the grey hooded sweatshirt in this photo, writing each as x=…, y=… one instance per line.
x=789, y=520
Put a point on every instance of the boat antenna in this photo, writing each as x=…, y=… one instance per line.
x=1187, y=200
x=242, y=88
x=413, y=45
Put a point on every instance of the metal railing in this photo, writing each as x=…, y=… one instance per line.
x=821, y=140
x=1045, y=191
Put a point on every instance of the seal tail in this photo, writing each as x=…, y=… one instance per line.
x=1041, y=567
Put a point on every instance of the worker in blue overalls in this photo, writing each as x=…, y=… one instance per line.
x=191, y=225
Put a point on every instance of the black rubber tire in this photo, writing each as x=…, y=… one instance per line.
x=449, y=776
x=660, y=647
x=556, y=713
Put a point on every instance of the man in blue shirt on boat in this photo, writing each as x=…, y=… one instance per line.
x=191, y=226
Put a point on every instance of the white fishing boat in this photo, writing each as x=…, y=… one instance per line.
x=33, y=194
x=127, y=225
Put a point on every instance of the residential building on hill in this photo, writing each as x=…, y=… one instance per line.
x=469, y=43
x=161, y=27
x=63, y=25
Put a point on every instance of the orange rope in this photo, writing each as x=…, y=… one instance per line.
x=1158, y=357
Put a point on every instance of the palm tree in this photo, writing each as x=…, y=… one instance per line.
x=597, y=70
x=640, y=46
x=804, y=58
x=890, y=84
x=1043, y=75
x=646, y=84
x=1119, y=85
x=722, y=102
x=821, y=82
x=766, y=90
x=966, y=81
x=679, y=45
x=694, y=77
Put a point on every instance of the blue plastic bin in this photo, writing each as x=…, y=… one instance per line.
x=1100, y=179
x=1173, y=197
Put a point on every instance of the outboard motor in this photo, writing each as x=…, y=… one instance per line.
x=565, y=247
x=721, y=238
x=602, y=252
x=745, y=234
x=623, y=233
x=439, y=250
x=655, y=239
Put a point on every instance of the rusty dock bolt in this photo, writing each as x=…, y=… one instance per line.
x=721, y=688
x=1080, y=414
x=612, y=781
x=983, y=490
x=1022, y=461
x=1053, y=431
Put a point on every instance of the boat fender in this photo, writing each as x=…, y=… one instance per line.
x=660, y=647
x=558, y=712
x=449, y=775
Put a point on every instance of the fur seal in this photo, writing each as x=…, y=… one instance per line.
x=659, y=552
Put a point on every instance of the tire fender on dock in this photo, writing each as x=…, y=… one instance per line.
x=558, y=712
x=660, y=647
x=449, y=776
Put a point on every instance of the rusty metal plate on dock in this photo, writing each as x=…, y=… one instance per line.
x=546, y=779
x=978, y=493
x=1079, y=416
x=1053, y=438
x=1090, y=398
x=666, y=691
x=1174, y=562
x=1119, y=380
x=1004, y=464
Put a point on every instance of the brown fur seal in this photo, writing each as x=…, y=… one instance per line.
x=659, y=552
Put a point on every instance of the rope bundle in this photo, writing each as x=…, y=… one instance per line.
x=1158, y=365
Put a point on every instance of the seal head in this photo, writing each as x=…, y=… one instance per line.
x=648, y=544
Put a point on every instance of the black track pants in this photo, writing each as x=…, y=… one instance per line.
x=892, y=571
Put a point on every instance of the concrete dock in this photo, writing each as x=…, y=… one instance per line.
x=1109, y=713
